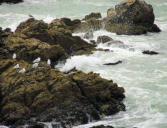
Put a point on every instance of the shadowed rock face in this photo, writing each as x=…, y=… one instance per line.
x=131, y=18
x=46, y=94
x=11, y=1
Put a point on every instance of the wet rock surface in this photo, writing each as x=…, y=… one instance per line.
x=147, y=52
x=114, y=63
x=131, y=17
x=42, y=93
x=103, y=39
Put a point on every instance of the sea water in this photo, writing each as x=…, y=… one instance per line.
x=144, y=77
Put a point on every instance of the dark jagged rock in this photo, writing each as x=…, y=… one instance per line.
x=102, y=126
x=115, y=63
x=11, y=1
x=103, y=39
x=92, y=15
x=131, y=17
x=150, y=52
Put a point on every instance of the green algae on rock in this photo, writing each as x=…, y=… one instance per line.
x=46, y=94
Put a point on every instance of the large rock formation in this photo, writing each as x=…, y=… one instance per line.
x=131, y=17
x=46, y=94
x=43, y=93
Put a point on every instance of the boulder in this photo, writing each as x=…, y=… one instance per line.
x=147, y=52
x=103, y=39
x=131, y=17
x=46, y=94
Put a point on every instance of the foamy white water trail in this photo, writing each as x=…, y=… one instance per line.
x=144, y=77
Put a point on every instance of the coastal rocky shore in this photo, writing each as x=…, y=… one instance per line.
x=42, y=93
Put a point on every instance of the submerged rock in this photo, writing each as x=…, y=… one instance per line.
x=150, y=52
x=131, y=17
x=103, y=39
x=115, y=63
x=102, y=126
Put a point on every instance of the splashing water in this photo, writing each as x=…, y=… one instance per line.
x=144, y=77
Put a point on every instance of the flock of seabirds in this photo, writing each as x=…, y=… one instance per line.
x=35, y=63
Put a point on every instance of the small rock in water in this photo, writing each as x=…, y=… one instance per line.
x=49, y=62
x=22, y=70
x=150, y=52
x=118, y=62
x=35, y=65
x=103, y=39
x=16, y=66
x=14, y=55
x=37, y=60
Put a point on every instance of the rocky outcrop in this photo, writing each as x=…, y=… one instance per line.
x=55, y=33
x=131, y=17
x=43, y=93
x=11, y=1
x=46, y=94
x=29, y=49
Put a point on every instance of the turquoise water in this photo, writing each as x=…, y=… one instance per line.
x=144, y=77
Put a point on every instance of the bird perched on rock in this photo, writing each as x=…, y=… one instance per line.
x=30, y=16
x=16, y=66
x=22, y=70
x=14, y=55
x=35, y=65
x=37, y=60
x=49, y=62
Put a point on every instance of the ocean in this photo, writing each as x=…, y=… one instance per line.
x=144, y=77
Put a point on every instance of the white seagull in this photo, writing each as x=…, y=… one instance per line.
x=37, y=60
x=16, y=66
x=22, y=70
x=35, y=65
x=49, y=62
x=14, y=55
